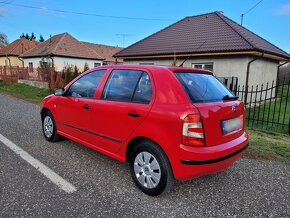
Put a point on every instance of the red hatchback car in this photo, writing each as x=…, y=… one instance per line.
x=167, y=122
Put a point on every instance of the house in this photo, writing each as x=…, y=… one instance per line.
x=213, y=42
x=60, y=51
x=9, y=55
x=106, y=52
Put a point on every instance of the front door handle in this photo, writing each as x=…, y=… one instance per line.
x=87, y=107
x=134, y=114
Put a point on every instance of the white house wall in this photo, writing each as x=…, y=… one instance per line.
x=261, y=71
x=61, y=62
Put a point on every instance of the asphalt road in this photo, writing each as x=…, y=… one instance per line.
x=250, y=188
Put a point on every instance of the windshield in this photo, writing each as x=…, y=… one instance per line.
x=202, y=87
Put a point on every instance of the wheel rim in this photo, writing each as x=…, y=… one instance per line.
x=147, y=170
x=48, y=126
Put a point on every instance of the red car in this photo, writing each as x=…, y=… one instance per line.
x=167, y=122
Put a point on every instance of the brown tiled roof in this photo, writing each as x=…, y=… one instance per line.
x=63, y=45
x=105, y=51
x=17, y=47
x=206, y=33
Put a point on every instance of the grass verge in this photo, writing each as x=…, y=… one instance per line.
x=25, y=92
x=268, y=146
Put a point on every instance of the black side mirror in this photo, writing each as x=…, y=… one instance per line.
x=58, y=92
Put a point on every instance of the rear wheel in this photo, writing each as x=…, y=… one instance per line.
x=150, y=169
x=49, y=128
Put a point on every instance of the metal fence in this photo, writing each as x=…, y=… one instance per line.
x=267, y=106
x=230, y=82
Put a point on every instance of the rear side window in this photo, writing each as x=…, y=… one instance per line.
x=143, y=92
x=86, y=86
x=128, y=86
x=202, y=87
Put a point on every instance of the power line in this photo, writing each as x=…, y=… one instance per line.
x=83, y=13
x=248, y=11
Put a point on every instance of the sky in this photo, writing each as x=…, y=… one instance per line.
x=124, y=22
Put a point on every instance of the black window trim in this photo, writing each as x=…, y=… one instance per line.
x=67, y=90
x=131, y=101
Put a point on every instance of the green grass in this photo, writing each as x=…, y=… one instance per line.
x=25, y=91
x=268, y=146
x=266, y=113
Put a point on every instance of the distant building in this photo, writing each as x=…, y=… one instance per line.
x=60, y=51
x=106, y=52
x=9, y=55
x=213, y=42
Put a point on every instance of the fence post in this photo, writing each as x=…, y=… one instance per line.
x=289, y=127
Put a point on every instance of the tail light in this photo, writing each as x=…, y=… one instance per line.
x=192, y=132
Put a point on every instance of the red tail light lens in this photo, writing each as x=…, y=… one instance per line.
x=192, y=132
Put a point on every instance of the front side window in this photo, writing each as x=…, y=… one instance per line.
x=86, y=86
x=128, y=86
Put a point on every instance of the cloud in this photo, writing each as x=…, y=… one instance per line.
x=2, y=11
x=284, y=9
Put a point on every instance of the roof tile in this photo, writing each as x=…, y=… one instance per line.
x=212, y=32
x=63, y=45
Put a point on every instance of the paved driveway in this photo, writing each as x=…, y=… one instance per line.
x=104, y=186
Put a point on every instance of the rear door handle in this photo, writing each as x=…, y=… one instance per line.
x=87, y=107
x=134, y=114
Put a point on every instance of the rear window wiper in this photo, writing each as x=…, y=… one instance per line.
x=227, y=97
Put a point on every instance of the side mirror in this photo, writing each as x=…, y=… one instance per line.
x=58, y=92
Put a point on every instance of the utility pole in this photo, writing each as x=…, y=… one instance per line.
x=123, y=35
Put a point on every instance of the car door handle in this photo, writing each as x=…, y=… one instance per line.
x=87, y=107
x=134, y=114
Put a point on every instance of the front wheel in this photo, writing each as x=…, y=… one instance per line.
x=150, y=169
x=49, y=128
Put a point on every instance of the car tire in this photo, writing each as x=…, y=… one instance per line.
x=150, y=169
x=49, y=128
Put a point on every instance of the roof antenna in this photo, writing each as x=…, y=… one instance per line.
x=248, y=11
x=181, y=65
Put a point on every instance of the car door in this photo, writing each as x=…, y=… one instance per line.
x=124, y=104
x=74, y=108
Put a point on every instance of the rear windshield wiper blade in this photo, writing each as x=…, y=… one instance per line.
x=227, y=97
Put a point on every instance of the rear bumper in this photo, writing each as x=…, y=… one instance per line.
x=193, y=162
x=216, y=160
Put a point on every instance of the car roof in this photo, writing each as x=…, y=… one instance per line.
x=153, y=68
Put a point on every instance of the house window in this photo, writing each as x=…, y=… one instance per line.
x=97, y=64
x=204, y=66
x=146, y=63
x=43, y=64
x=30, y=66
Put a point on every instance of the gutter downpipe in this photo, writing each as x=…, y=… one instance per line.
x=277, y=77
x=247, y=76
x=278, y=70
x=21, y=61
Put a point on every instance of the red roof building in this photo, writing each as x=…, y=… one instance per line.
x=210, y=41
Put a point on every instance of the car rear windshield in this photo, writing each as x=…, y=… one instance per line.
x=202, y=87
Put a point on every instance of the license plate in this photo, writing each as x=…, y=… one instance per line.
x=231, y=125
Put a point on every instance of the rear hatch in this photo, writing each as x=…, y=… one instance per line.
x=221, y=113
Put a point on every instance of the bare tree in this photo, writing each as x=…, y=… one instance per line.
x=3, y=39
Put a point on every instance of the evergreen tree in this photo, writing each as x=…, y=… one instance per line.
x=27, y=36
x=32, y=37
x=41, y=39
x=22, y=36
